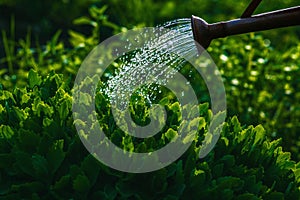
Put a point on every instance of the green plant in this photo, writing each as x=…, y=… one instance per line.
x=42, y=157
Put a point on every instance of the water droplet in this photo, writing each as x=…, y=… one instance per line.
x=248, y=47
x=235, y=81
x=254, y=73
x=261, y=60
x=287, y=69
x=267, y=42
x=223, y=57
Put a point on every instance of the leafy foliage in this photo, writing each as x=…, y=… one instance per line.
x=55, y=55
x=42, y=156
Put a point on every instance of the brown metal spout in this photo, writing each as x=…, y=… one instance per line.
x=204, y=33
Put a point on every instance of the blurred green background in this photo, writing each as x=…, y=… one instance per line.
x=44, y=18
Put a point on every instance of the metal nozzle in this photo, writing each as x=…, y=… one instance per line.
x=201, y=31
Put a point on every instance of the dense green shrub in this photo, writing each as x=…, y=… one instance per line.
x=42, y=157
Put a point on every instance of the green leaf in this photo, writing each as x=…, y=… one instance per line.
x=128, y=144
x=125, y=189
x=64, y=109
x=84, y=21
x=55, y=155
x=20, y=113
x=24, y=163
x=91, y=168
x=6, y=132
x=164, y=101
x=62, y=183
x=228, y=160
x=1, y=109
x=40, y=165
x=217, y=170
x=230, y=183
x=25, y=98
x=175, y=107
x=96, y=13
x=110, y=192
x=47, y=122
x=203, y=108
x=159, y=184
x=3, y=71
x=197, y=178
x=81, y=184
x=171, y=134
x=6, y=95
x=34, y=79
x=179, y=177
x=236, y=123
x=85, y=99
x=40, y=107
x=28, y=140
x=274, y=195
x=193, y=112
x=284, y=162
x=77, y=39
x=195, y=124
x=259, y=134
x=54, y=40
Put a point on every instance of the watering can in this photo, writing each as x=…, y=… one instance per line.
x=204, y=33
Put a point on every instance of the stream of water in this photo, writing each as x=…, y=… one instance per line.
x=148, y=63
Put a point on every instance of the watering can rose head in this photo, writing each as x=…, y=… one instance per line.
x=201, y=32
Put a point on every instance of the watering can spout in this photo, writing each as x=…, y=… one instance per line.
x=204, y=33
x=201, y=31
